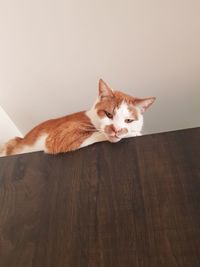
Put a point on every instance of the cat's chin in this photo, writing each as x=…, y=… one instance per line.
x=113, y=139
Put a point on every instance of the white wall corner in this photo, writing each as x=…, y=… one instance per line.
x=8, y=129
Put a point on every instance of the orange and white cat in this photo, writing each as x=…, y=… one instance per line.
x=115, y=115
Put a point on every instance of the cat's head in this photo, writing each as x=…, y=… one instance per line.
x=118, y=114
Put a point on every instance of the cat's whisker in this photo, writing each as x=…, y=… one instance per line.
x=91, y=130
x=88, y=129
x=88, y=126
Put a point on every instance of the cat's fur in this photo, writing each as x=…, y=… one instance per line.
x=114, y=116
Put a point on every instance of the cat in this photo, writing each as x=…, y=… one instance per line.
x=115, y=115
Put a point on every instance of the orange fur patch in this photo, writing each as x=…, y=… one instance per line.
x=64, y=134
x=70, y=134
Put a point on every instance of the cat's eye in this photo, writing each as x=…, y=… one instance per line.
x=129, y=120
x=109, y=115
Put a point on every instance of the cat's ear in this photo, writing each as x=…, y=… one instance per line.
x=104, y=90
x=144, y=103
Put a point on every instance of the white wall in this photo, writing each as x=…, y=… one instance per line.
x=54, y=51
x=7, y=128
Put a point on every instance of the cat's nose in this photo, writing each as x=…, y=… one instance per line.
x=116, y=129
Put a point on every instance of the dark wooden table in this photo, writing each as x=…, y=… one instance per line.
x=131, y=204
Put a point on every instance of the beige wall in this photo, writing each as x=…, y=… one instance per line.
x=52, y=54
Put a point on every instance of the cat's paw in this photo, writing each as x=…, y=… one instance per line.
x=135, y=134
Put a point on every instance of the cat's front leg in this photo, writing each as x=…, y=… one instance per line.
x=94, y=138
x=138, y=134
x=133, y=134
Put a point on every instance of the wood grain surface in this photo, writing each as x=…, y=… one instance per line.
x=131, y=204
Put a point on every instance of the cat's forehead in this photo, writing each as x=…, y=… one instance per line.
x=126, y=110
x=122, y=110
x=120, y=105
